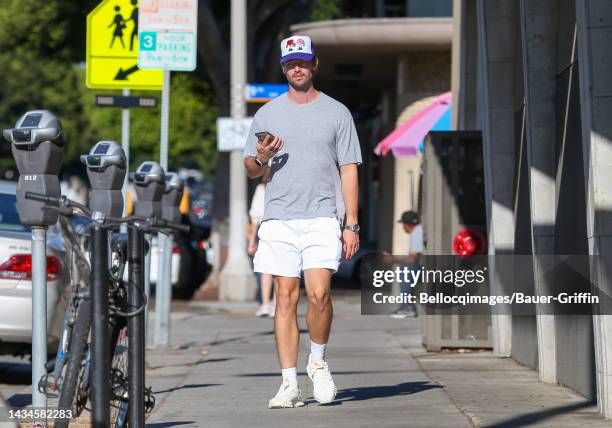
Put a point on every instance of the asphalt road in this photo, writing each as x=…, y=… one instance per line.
x=15, y=379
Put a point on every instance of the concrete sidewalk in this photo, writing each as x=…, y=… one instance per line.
x=222, y=370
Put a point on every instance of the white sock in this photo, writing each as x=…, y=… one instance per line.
x=290, y=374
x=317, y=352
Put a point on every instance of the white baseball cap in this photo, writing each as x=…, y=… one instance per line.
x=297, y=47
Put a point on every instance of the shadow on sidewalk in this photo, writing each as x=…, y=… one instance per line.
x=190, y=386
x=192, y=364
x=533, y=417
x=168, y=424
x=335, y=373
x=19, y=400
x=370, y=392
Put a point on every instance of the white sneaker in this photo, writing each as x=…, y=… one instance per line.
x=272, y=311
x=263, y=311
x=324, y=389
x=288, y=396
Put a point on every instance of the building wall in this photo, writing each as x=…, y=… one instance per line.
x=553, y=154
x=574, y=332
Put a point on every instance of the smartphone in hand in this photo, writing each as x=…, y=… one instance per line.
x=263, y=134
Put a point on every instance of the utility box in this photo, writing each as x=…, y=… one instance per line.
x=453, y=201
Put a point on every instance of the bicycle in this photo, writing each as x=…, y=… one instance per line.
x=72, y=377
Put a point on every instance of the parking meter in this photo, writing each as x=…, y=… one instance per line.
x=106, y=167
x=172, y=198
x=150, y=183
x=37, y=143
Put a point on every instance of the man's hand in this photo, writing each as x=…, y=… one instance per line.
x=252, y=248
x=350, y=243
x=268, y=148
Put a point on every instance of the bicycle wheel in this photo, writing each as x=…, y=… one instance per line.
x=119, y=370
x=69, y=399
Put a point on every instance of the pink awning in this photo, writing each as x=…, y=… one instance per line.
x=405, y=140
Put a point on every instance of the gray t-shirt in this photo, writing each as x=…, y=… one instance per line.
x=319, y=138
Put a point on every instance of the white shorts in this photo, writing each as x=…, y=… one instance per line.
x=287, y=247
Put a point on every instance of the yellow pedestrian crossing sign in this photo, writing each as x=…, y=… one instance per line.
x=112, y=48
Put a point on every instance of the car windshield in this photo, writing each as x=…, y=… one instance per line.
x=9, y=218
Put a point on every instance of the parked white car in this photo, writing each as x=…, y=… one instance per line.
x=156, y=256
x=16, y=276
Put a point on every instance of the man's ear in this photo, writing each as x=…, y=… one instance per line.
x=315, y=68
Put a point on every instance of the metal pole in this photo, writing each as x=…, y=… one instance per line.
x=39, y=315
x=165, y=325
x=125, y=145
x=100, y=337
x=165, y=120
x=147, y=283
x=160, y=291
x=237, y=281
x=136, y=372
x=161, y=294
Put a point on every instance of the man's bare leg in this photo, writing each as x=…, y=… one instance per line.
x=286, y=330
x=320, y=311
x=319, y=317
x=287, y=337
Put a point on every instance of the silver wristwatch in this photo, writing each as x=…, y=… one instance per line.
x=258, y=162
x=352, y=227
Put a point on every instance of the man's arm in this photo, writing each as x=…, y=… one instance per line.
x=252, y=238
x=252, y=168
x=350, y=193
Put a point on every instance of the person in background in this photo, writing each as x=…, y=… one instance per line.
x=411, y=225
x=266, y=282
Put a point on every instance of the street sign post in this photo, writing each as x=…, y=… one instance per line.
x=167, y=31
x=112, y=48
x=264, y=92
x=232, y=133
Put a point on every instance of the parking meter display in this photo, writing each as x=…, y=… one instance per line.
x=31, y=120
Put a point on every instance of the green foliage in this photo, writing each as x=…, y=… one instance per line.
x=325, y=10
x=192, y=133
x=41, y=54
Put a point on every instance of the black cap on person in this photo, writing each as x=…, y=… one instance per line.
x=409, y=217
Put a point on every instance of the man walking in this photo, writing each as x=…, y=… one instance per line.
x=310, y=142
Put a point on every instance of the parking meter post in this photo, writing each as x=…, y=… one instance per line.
x=165, y=328
x=149, y=182
x=147, y=283
x=160, y=293
x=37, y=144
x=106, y=165
x=39, y=306
x=136, y=370
x=100, y=340
x=171, y=200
